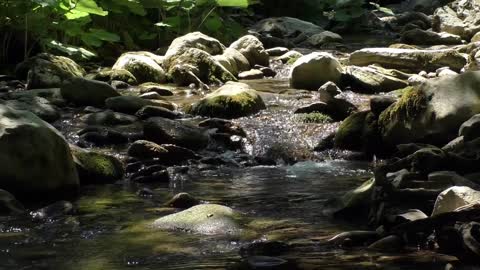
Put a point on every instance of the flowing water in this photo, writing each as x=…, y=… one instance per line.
x=111, y=227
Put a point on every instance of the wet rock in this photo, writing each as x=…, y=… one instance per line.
x=326, y=143
x=277, y=51
x=352, y=201
x=9, y=204
x=233, y=100
x=108, y=118
x=26, y=141
x=409, y=60
x=374, y=79
x=390, y=243
x=182, y=200
x=379, y=104
x=323, y=38
x=96, y=168
x=48, y=71
x=145, y=66
x=166, y=131
x=354, y=238
x=426, y=37
x=252, y=49
x=151, y=95
x=223, y=126
x=167, y=154
x=145, y=192
x=154, y=111
x=408, y=216
x=131, y=104
x=448, y=178
x=470, y=129
x=454, y=198
x=101, y=136
x=338, y=109
x=119, y=85
x=39, y=106
x=155, y=173
x=53, y=211
x=357, y=132
x=289, y=57
x=110, y=75
x=252, y=74
x=209, y=219
x=471, y=240
x=155, y=87
x=83, y=92
x=265, y=262
x=195, y=66
x=432, y=111
x=268, y=72
x=263, y=248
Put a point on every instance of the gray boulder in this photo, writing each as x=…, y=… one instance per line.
x=84, y=92
x=313, y=70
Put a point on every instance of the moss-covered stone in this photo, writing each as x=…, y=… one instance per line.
x=359, y=132
x=209, y=219
x=197, y=66
x=315, y=117
x=232, y=100
x=96, y=168
x=109, y=75
x=143, y=66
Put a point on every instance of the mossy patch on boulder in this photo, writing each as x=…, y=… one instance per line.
x=109, y=75
x=144, y=66
x=232, y=100
x=95, y=167
x=359, y=132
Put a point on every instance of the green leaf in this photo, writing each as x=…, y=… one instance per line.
x=233, y=3
x=104, y=35
x=91, y=7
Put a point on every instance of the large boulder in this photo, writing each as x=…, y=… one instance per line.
x=197, y=66
x=166, y=131
x=232, y=100
x=209, y=219
x=38, y=157
x=352, y=201
x=455, y=197
x=252, y=48
x=409, y=59
x=433, y=111
x=314, y=70
x=39, y=106
x=48, y=71
x=84, y=92
x=358, y=132
x=233, y=61
x=195, y=40
x=144, y=66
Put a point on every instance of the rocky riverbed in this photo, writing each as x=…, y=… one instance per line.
x=209, y=156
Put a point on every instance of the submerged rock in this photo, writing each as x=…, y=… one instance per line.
x=182, y=200
x=352, y=201
x=232, y=100
x=38, y=157
x=313, y=70
x=48, y=71
x=209, y=219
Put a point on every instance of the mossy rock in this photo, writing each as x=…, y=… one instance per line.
x=84, y=92
x=208, y=219
x=315, y=117
x=197, y=66
x=359, y=132
x=232, y=100
x=131, y=104
x=97, y=168
x=356, y=201
x=109, y=75
x=143, y=66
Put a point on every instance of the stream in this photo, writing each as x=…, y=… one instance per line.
x=111, y=227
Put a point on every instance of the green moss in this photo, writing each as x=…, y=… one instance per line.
x=412, y=103
x=96, y=167
x=293, y=59
x=350, y=132
x=315, y=117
